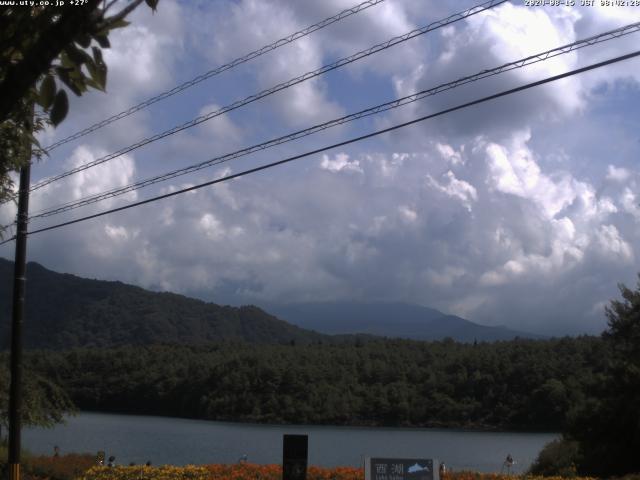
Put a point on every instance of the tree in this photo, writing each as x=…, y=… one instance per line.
x=45, y=51
x=557, y=458
x=44, y=402
x=64, y=53
x=608, y=427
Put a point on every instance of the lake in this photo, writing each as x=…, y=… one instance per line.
x=177, y=441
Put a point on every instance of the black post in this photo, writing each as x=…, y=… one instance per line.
x=19, y=281
x=295, y=454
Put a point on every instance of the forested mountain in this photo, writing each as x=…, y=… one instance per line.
x=65, y=311
x=390, y=319
x=521, y=384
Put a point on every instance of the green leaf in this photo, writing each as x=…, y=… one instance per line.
x=93, y=84
x=75, y=87
x=70, y=78
x=119, y=24
x=153, y=4
x=65, y=61
x=101, y=77
x=84, y=41
x=47, y=92
x=103, y=41
x=93, y=70
x=34, y=140
x=77, y=56
x=97, y=55
x=97, y=76
x=63, y=73
x=60, y=108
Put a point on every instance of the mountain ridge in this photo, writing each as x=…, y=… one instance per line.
x=391, y=319
x=67, y=311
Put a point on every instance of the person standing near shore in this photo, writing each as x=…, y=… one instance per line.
x=508, y=462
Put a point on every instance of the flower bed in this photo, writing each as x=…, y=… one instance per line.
x=498, y=476
x=264, y=472
x=246, y=471
x=65, y=467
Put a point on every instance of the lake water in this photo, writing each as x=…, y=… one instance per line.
x=179, y=441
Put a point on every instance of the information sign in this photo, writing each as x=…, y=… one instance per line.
x=400, y=469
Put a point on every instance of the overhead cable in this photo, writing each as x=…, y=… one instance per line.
x=532, y=59
x=216, y=71
x=343, y=143
x=252, y=98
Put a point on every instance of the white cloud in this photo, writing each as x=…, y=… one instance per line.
x=116, y=233
x=449, y=153
x=340, y=163
x=617, y=174
x=408, y=214
x=116, y=173
x=141, y=57
x=611, y=242
x=456, y=188
x=630, y=203
x=303, y=104
x=514, y=170
x=221, y=128
x=472, y=213
x=211, y=226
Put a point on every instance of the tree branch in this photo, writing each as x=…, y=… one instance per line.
x=22, y=76
x=107, y=22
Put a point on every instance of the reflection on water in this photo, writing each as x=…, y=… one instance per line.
x=179, y=441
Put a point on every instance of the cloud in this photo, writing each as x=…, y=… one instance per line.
x=449, y=153
x=456, y=188
x=340, y=163
x=612, y=244
x=393, y=231
x=116, y=173
x=505, y=34
x=521, y=212
x=630, y=203
x=617, y=174
x=116, y=233
x=142, y=56
x=302, y=105
x=487, y=40
x=141, y=62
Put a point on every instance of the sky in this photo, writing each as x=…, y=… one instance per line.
x=523, y=211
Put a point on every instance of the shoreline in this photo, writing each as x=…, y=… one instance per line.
x=358, y=426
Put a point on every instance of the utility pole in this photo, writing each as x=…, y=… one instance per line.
x=17, y=316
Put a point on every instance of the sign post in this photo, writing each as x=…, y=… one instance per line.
x=17, y=317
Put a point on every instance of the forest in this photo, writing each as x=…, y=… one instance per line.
x=520, y=384
x=586, y=387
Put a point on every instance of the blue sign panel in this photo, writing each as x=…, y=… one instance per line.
x=400, y=469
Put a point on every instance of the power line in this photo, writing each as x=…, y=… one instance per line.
x=532, y=59
x=216, y=71
x=252, y=98
x=10, y=239
x=346, y=142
